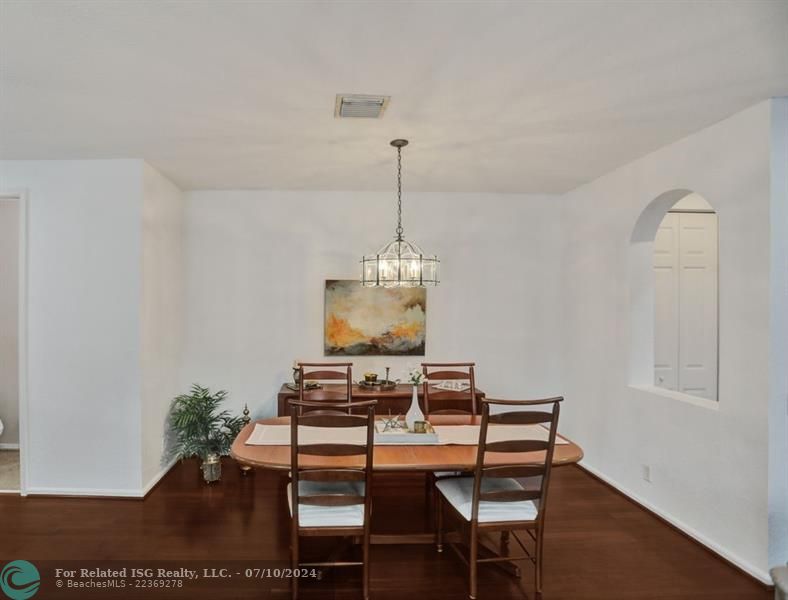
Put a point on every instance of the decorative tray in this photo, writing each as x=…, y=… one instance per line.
x=309, y=385
x=452, y=386
x=404, y=436
x=380, y=385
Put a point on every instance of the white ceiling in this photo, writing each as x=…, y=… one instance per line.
x=494, y=96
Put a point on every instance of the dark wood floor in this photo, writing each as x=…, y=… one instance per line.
x=598, y=544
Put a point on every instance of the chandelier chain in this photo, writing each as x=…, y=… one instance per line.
x=399, y=194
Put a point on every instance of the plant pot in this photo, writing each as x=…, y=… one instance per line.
x=212, y=468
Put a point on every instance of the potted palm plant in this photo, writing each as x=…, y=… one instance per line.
x=203, y=430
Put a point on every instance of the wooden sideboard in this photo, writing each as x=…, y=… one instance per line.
x=395, y=401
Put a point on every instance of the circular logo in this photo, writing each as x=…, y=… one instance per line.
x=20, y=580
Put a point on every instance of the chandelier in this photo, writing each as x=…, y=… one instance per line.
x=399, y=263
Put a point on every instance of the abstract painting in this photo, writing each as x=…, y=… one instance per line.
x=366, y=321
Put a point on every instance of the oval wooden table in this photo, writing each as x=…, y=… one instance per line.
x=394, y=458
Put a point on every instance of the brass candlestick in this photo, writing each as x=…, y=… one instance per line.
x=246, y=469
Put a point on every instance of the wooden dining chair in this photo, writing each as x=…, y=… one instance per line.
x=493, y=500
x=465, y=401
x=331, y=501
x=326, y=373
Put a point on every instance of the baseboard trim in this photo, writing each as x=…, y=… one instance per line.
x=85, y=492
x=9, y=446
x=156, y=480
x=119, y=494
x=760, y=576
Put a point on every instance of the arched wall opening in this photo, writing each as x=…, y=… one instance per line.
x=673, y=296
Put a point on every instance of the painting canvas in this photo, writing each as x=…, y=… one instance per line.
x=363, y=321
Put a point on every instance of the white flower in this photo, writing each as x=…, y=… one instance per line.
x=416, y=376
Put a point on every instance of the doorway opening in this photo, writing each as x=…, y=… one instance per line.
x=12, y=341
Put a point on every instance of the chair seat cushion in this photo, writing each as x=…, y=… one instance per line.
x=328, y=516
x=458, y=491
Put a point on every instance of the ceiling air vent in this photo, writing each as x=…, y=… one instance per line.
x=360, y=106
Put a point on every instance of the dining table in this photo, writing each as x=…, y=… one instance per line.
x=397, y=458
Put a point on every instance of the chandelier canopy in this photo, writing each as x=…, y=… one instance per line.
x=399, y=263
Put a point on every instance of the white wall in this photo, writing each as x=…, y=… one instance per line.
x=105, y=294
x=83, y=322
x=692, y=202
x=9, y=321
x=778, y=364
x=257, y=262
x=708, y=462
x=161, y=315
x=106, y=301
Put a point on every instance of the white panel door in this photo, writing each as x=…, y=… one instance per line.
x=698, y=304
x=666, y=303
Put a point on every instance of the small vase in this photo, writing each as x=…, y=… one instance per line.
x=212, y=468
x=414, y=412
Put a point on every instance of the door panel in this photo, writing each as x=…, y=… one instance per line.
x=685, y=304
x=698, y=304
x=666, y=303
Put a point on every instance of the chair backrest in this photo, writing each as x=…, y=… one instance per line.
x=541, y=466
x=462, y=372
x=322, y=373
x=363, y=447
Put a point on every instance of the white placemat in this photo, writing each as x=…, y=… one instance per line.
x=468, y=435
x=451, y=385
x=279, y=435
x=461, y=435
